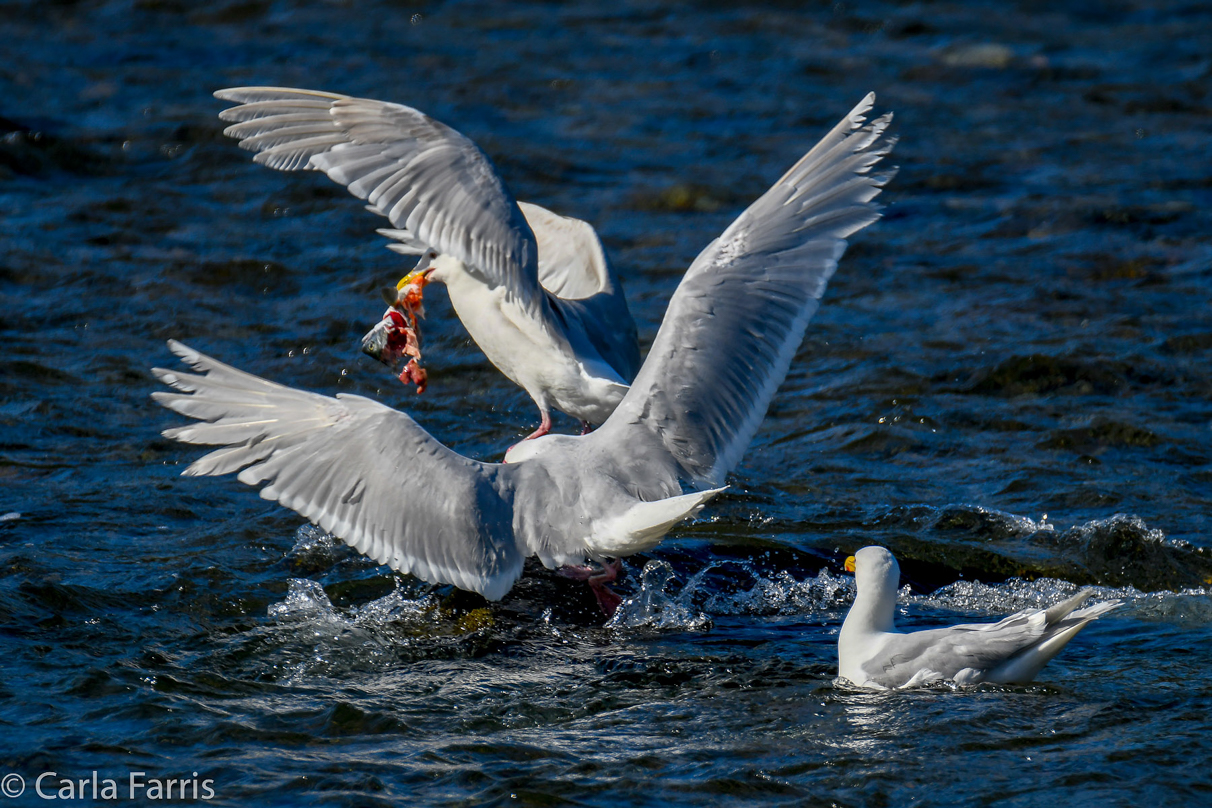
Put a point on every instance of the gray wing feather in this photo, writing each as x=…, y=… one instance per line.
x=425, y=177
x=364, y=472
x=947, y=651
x=601, y=324
x=737, y=318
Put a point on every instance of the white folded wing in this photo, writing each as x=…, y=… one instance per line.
x=1012, y=650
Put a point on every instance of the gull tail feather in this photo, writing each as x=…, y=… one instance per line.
x=644, y=524
x=1060, y=611
x=1064, y=623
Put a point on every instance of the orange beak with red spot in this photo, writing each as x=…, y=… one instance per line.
x=849, y=565
x=410, y=291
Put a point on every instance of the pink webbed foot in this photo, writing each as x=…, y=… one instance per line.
x=586, y=427
x=599, y=581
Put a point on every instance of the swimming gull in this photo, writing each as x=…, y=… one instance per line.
x=533, y=289
x=373, y=477
x=873, y=654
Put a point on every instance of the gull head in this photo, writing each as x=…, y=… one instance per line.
x=875, y=570
x=441, y=267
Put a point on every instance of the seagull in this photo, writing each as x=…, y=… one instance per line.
x=533, y=289
x=373, y=477
x=873, y=654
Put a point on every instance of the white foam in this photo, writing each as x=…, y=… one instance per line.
x=974, y=597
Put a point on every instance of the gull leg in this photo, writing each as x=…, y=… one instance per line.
x=543, y=429
x=586, y=427
x=598, y=581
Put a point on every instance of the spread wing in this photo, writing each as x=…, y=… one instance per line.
x=362, y=471
x=434, y=185
x=738, y=316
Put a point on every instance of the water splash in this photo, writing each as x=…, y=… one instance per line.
x=393, y=607
x=661, y=603
x=310, y=540
x=724, y=588
x=306, y=600
x=655, y=607
x=316, y=639
x=783, y=594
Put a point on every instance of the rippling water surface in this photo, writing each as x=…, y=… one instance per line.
x=1007, y=384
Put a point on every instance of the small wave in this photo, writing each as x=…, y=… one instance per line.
x=1122, y=523
x=975, y=519
x=1011, y=524
x=1119, y=550
x=996, y=524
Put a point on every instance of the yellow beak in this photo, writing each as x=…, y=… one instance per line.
x=422, y=274
x=849, y=565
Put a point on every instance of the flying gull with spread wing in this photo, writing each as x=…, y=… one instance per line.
x=374, y=478
x=533, y=289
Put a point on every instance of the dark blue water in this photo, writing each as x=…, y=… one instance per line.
x=1007, y=383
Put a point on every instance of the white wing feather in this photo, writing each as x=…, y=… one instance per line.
x=435, y=186
x=737, y=318
x=356, y=468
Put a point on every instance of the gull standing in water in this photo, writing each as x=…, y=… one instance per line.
x=873, y=654
x=533, y=289
x=373, y=477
